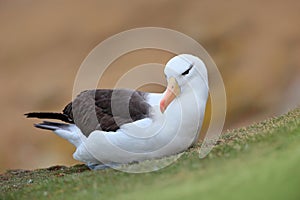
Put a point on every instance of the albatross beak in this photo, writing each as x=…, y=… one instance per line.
x=173, y=90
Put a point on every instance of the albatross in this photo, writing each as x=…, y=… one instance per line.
x=120, y=126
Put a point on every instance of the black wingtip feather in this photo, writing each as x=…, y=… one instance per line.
x=49, y=115
x=50, y=125
x=41, y=126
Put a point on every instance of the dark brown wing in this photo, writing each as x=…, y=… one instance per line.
x=106, y=109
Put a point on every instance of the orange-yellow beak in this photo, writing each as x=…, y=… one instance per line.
x=173, y=90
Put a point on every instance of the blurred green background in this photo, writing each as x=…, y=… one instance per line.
x=42, y=44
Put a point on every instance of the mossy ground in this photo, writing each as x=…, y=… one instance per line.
x=261, y=161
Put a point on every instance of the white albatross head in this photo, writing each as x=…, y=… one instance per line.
x=180, y=71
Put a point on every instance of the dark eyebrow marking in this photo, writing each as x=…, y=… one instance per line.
x=188, y=70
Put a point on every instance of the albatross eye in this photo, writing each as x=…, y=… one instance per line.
x=187, y=71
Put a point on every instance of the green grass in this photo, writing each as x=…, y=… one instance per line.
x=261, y=161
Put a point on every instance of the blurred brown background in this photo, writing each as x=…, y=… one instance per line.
x=42, y=44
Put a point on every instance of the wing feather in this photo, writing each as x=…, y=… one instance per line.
x=106, y=109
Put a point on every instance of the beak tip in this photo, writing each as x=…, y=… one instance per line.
x=162, y=106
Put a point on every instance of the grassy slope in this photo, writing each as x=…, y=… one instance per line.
x=261, y=161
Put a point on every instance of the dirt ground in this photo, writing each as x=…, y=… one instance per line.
x=42, y=44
